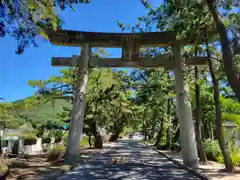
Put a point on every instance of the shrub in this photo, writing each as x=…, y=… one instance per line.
x=58, y=136
x=56, y=154
x=60, y=147
x=46, y=140
x=30, y=136
x=175, y=147
x=30, y=139
x=236, y=158
x=4, y=170
x=151, y=141
x=58, y=139
x=163, y=140
x=65, y=137
x=84, y=141
x=220, y=159
x=212, y=149
x=235, y=155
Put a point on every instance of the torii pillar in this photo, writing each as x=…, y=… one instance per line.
x=187, y=131
x=79, y=103
x=130, y=44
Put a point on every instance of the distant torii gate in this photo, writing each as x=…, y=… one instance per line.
x=130, y=44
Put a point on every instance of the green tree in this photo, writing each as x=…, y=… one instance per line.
x=229, y=59
x=104, y=86
x=194, y=20
x=25, y=20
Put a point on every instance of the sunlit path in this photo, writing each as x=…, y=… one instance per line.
x=136, y=162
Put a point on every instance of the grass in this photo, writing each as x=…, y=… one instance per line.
x=84, y=141
x=151, y=141
x=126, y=130
x=235, y=155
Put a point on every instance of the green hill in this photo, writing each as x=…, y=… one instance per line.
x=41, y=113
x=44, y=112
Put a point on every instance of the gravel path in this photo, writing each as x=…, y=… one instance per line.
x=137, y=161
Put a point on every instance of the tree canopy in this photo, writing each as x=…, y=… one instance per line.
x=25, y=21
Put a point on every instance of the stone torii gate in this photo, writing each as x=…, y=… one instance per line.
x=130, y=44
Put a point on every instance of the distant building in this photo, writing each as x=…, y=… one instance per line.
x=12, y=141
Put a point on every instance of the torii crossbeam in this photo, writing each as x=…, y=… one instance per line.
x=130, y=44
x=160, y=61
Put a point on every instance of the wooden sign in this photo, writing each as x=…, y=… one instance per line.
x=130, y=48
x=99, y=39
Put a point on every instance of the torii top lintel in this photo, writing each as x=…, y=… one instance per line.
x=129, y=42
x=100, y=39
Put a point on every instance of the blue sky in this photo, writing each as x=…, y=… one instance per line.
x=35, y=63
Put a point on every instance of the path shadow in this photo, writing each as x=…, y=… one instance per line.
x=138, y=162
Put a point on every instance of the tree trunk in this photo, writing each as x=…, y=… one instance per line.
x=207, y=130
x=212, y=132
x=159, y=135
x=218, y=119
x=90, y=140
x=198, y=123
x=145, y=135
x=169, y=116
x=231, y=72
x=98, y=141
x=168, y=137
x=150, y=136
x=176, y=136
x=114, y=137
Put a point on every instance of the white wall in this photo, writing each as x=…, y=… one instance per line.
x=33, y=149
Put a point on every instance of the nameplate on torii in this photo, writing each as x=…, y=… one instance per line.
x=160, y=61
